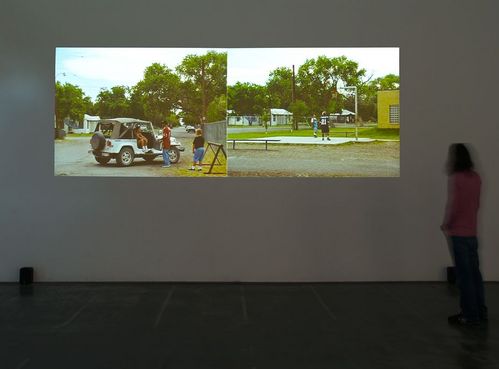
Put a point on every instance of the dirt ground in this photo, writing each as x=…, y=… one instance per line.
x=376, y=159
x=71, y=158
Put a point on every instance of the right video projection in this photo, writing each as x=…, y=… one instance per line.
x=313, y=112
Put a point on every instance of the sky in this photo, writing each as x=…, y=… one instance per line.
x=254, y=65
x=95, y=68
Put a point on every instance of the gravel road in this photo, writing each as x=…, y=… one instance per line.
x=376, y=159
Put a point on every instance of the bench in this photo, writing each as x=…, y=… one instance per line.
x=266, y=140
x=345, y=132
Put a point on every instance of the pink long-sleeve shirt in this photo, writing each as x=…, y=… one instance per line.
x=462, y=204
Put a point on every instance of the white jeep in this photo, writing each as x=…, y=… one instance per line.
x=115, y=139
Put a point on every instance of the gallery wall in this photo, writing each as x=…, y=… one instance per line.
x=249, y=229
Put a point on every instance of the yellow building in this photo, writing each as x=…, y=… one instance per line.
x=389, y=109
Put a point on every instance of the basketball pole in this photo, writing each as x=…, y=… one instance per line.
x=356, y=125
x=340, y=86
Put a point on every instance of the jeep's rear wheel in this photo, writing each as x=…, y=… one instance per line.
x=125, y=157
x=103, y=160
x=174, y=155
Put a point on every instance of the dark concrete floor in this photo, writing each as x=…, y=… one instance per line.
x=236, y=326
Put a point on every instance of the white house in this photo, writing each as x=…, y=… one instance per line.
x=346, y=116
x=89, y=123
x=243, y=120
x=280, y=116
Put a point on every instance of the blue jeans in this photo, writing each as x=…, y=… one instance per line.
x=469, y=278
x=198, y=155
x=166, y=157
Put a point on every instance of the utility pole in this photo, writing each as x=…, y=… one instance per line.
x=203, y=92
x=356, y=125
x=293, y=95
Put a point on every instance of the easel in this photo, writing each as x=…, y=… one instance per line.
x=216, y=149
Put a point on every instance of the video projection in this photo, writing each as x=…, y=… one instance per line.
x=258, y=112
x=151, y=112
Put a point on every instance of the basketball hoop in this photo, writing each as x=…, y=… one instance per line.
x=341, y=87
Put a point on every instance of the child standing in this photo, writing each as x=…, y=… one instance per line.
x=198, y=150
x=325, y=126
x=315, y=124
x=167, y=132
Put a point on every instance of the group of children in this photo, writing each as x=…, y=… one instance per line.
x=324, y=124
x=197, y=148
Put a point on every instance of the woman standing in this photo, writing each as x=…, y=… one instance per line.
x=460, y=225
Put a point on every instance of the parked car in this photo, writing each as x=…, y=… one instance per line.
x=115, y=139
x=190, y=129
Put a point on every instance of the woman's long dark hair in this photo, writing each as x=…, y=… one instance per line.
x=459, y=159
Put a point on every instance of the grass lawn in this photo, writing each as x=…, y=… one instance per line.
x=375, y=133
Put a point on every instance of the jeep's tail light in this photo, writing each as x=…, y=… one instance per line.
x=108, y=143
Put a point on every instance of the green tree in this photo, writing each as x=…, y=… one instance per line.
x=158, y=93
x=217, y=109
x=300, y=111
x=172, y=119
x=204, y=78
x=70, y=101
x=388, y=82
x=317, y=78
x=280, y=87
x=113, y=102
x=136, y=104
x=265, y=117
x=247, y=98
x=190, y=102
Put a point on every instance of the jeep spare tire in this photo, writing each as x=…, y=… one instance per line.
x=98, y=141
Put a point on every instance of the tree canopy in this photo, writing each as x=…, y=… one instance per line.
x=70, y=101
x=159, y=92
x=280, y=87
x=247, y=98
x=195, y=90
x=203, y=78
x=315, y=89
x=113, y=102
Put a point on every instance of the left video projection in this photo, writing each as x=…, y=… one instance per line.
x=140, y=112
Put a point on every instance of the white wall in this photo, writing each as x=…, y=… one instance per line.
x=350, y=229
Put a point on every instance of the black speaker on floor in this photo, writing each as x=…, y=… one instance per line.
x=451, y=275
x=26, y=275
